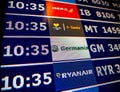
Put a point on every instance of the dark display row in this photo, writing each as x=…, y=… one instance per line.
x=61, y=76
x=37, y=50
x=33, y=4
x=41, y=26
x=58, y=9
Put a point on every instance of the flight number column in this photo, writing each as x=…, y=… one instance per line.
x=102, y=30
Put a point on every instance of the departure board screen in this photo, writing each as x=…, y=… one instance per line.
x=61, y=46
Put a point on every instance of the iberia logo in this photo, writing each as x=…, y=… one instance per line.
x=62, y=10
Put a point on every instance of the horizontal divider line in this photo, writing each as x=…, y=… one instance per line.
x=102, y=37
x=26, y=36
x=106, y=58
x=45, y=16
x=25, y=65
x=60, y=37
x=56, y=62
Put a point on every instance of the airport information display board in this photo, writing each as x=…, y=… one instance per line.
x=61, y=46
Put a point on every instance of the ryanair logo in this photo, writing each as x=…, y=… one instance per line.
x=74, y=74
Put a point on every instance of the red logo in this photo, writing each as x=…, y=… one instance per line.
x=62, y=10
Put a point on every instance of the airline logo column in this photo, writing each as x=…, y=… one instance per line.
x=64, y=25
x=68, y=44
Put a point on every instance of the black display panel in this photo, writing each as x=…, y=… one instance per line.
x=60, y=46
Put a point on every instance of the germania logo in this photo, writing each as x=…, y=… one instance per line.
x=55, y=48
x=63, y=9
x=74, y=74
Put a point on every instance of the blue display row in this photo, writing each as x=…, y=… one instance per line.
x=113, y=4
x=58, y=9
x=99, y=3
x=41, y=50
x=80, y=76
x=41, y=26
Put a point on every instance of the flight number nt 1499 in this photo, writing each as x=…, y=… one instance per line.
x=100, y=47
x=20, y=50
x=20, y=81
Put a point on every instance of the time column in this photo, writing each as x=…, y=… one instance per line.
x=26, y=54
